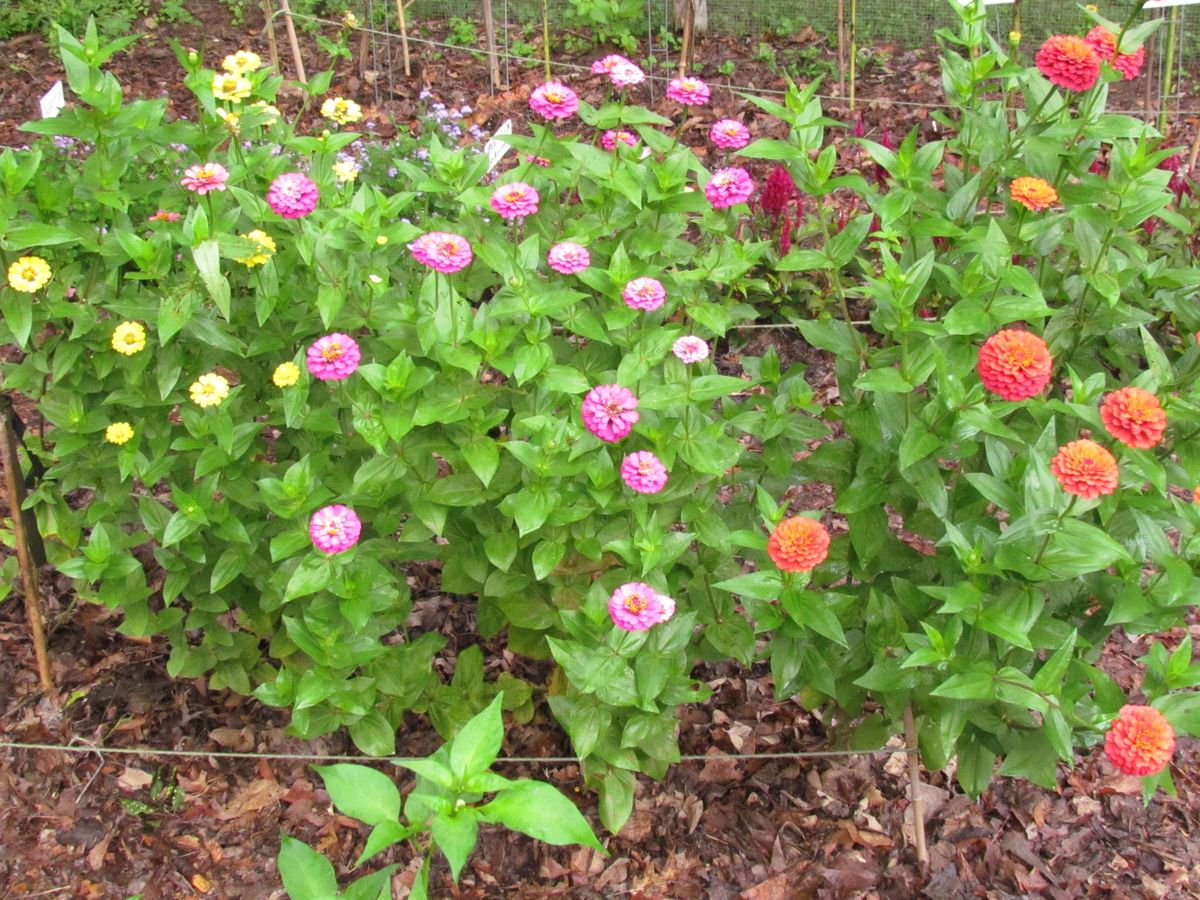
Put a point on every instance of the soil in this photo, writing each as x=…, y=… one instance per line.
x=101, y=825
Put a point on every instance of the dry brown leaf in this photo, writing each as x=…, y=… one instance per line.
x=775, y=888
x=258, y=794
x=133, y=779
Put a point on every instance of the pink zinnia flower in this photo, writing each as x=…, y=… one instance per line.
x=729, y=134
x=690, y=349
x=688, y=91
x=729, y=187
x=554, y=100
x=568, y=258
x=293, y=195
x=620, y=71
x=334, y=529
x=609, y=139
x=538, y=161
x=441, y=251
x=165, y=215
x=644, y=293
x=515, y=201
x=637, y=607
x=333, y=357
x=204, y=178
x=644, y=472
x=609, y=412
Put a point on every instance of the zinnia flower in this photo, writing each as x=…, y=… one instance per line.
x=266, y=249
x=729, y=187
x=1104, y=42
x=645, y=294
x=644, y=472
x=342, y=110
x=165, y=215
x=688, y=91
x=1134, y=417
x=515, y=201
x=1196, y=493
x=1033, y=193
x=798, y=544
x=778, y=192
x=554, y=101
x=729, y=134
x=333, y=357
x=286, y=374
x=568, y=258
x=690, y=349
x=269, y=113
x=241, y=62
x=637, y=607
x=204, y=178
x=118, y=432
x=441, y=251
x=227, y=86
x=1014, y=364
x=609, y=412
x=610, y=138
x=293, y=195
x=1140, y=741
x=346, y=168
x=620, y=71
x=334, y=529
x=1085, y=469
x=1069, y=62
x=29, y=274
x=209, y=390
x=129, y=338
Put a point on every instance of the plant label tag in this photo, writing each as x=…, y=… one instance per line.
x=495, y=149
x=995, y=2
x=1163, y=4
x=53, y=101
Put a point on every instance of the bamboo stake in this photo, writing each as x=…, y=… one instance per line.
x=272, y=46
x=489, y=30
x=914, y=779
x=1165, y=94
x=290, y=26
x=1191, y=165
x=404, y=39
x=841, y=62
x=689, y=27
x=16, y=498
x=546, y=38
x=853, y=48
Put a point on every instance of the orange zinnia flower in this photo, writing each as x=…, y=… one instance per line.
x=1033, y=193
x=1014, y=364
x=1140, y=741
x=1069, y=61
x=1085, y=469
x=798, y=544
x=1134, y=417
x=1196, y=493
x=1104, y=42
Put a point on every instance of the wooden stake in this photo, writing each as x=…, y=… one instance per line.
x=853, y=48
x=689, y=27
x=16, y=497
x=404, y=38
x=841, y=48
x=1191, y=165
x=546, y=38
x=291, y=33
x=914, y=780
x=489, y=30
x=1164, y=95
x=272, y=46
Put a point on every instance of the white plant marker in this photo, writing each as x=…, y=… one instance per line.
x=1164, y=4
x=496, y=150
x=53, y=101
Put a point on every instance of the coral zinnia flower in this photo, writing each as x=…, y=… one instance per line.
x=1140, y=741
x=637, y=607
x=729, y=187
x=29, y=274
x=442, y=251
x=334, y=357
x=515, y=201
x=1014, y=364
x=209, y=390
x=609, y=412
x=644, y=472
x=1033, y=193
x=1085, y=469
x=129, y=338
x=1134, y=417
x=554, y=100
x=1104, y=42
x=798, y=544
x=334, y=529
x=1069, y=62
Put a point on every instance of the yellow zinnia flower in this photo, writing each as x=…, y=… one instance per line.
x=242, y=62
x=342, y=110
x=118, y=432
x=209, y=390
x=345, y=170
x=129, y=338
x=231, y=120
x=28, y=274
x=234, y=88
x=266, y=244
x=270, y=113
x=286, y=374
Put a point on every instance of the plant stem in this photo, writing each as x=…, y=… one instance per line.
x=1057, y=522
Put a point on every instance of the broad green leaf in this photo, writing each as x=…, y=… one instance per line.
x=540, y=811
x=476, y=746
x=455, y=836
x=306, y=874
x=361, y=792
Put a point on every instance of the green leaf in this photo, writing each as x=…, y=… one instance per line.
x=763, y=585
x=476, y=746
x=361, y=792
x=382, y=836
x=886, y=380
x=546, y=556
x=376, y=886
x=967, y=686
x=616, y=799
x=207, y=255
x=975, y=765
x=315, y=573
x=455, y=836
x=306, y=874
x=540, y=811
x=373, y=734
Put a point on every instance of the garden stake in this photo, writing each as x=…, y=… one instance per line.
x=841, y=62
x=914, y=779
x=403, y=38
x=1195, y=151
x=546, y=38
x=272, y=46
x=853, y=48
x=689, y=24
x=291, y=33
x=489, y=30
x=16, y=497
x=1164, y=95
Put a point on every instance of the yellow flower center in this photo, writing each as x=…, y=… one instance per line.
x=635, y=603
x=332, y=352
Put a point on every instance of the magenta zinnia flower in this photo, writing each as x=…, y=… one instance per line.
x=637, y=607
x=644, y=472
x=204, y=178
x=688, y=91
x=554, y=100
x=644, y=293
x=609, y=139
x=333, y=357
x=609, y=412
x=293, y=195
x=334, y=529
x=441, y=251
x=568, y=258
x=729, y=187
x=729, y=134
x=515, y=201
x=690, y=349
